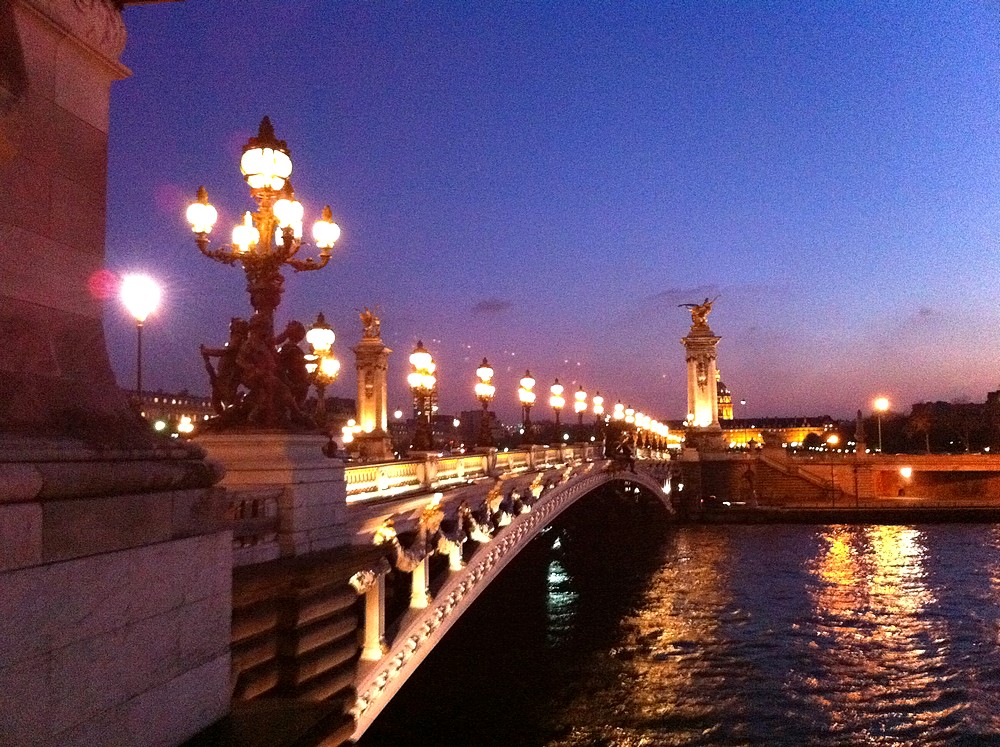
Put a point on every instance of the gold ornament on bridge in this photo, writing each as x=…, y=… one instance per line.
x=700, y=311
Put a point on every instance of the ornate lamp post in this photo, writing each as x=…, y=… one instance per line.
x=484, y=393
x=422, y=382
x=580, y=407
x=140, y=295
x=598, y=407
x=527, y=397
x=262, y=243
x=881, y=405
x=325, y=367
x=557, y=401
x=618, y=413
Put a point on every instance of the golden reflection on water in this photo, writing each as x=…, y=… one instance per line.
x=879, y=653
x=664, y=674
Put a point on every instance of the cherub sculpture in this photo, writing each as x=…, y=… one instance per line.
x=226, y=377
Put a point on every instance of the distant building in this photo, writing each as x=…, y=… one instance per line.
x=725, y=398
x=170, y=413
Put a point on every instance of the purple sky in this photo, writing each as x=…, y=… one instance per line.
x=543, y=183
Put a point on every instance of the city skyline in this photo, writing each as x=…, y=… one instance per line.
x=543, y=187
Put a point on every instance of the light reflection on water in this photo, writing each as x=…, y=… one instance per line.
x=804, y=635
x=726, y=635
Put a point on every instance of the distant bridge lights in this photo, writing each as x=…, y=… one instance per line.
x=485, y=392
x=422, y=383
x=557, y=401
x=618, y=413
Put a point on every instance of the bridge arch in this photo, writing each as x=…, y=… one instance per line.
x=423, y=629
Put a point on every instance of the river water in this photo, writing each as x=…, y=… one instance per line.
x=617, y=628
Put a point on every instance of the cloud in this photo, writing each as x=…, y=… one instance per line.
x=693, y=294
x=491, y=306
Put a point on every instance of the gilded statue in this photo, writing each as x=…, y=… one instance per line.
x=700, y=311
x=371, y=323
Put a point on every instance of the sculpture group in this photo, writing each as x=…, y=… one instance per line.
x=259, y=381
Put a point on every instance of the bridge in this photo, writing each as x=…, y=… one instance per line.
x=312, y=536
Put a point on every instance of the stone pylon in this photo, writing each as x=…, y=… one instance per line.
x=372, y=362
x=702, y=394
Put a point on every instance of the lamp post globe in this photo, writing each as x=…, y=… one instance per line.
x=881, y=405
x=526, y=395
x=422, y=383
x=485, y=392
x=262, y=243
x=140, y=295
x=556, y=400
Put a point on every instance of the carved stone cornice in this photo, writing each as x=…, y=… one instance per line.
x=96, y=23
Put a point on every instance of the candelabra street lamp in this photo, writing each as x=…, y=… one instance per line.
x=422, y=382
x=580, y=407
x=881, y=405
x=265, y=241
x=527, y=398
x=598, y=407
x=324, y=368
x=484, y=393
x=140, y=295
x=557, y=401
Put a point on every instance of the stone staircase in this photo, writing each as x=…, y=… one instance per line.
x=779, y=483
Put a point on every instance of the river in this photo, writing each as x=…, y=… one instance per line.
x=618, y=628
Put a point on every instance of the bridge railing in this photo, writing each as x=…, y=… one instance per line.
x=434, y=471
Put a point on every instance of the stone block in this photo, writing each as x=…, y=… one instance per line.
x=20, y=535
x=100, y=525
x=82, y=85
x=25, y=717
x=179, y=709
x=25, y=625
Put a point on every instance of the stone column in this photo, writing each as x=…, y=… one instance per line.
x=703, y=397
x=58, y=63
x=372, y=359
x=374, y=643
x=419, y=596
x=115, y=559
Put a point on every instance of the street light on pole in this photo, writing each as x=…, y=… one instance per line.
x=264, y=242
x=580, y=405
x=527, y=398
x=557, y=401
x=422, y=382
x=484, y=393
x=325, y=367
x=881, y=405
x=140, y=295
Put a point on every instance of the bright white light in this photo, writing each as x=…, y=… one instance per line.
x=141, y=295
x=906, y=472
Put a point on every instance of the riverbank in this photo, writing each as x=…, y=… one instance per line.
x=847, y=515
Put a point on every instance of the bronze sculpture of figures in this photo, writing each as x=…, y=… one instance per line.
x=371, y=323
x=256, y=383
x=700, y=311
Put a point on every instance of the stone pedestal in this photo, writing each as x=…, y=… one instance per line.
x=703, y=397
x=372, y=360
x=115, y=563
x=313, y=504
x=115, y=586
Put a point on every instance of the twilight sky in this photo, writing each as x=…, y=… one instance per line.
x=543, y=183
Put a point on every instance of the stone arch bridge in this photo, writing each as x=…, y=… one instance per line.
x=315, y=543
